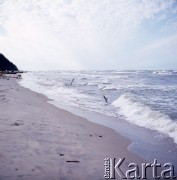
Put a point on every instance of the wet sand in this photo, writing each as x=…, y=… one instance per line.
x=39, y=141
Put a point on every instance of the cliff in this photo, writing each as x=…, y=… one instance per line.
x=6, y=65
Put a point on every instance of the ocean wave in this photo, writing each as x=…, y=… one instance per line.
x=109, y=87
x=142, y=115
x=165, y=72
x=87, y=93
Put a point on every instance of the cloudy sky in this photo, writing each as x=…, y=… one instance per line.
x=89, y=34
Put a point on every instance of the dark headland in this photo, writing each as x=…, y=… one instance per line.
x=6, y=65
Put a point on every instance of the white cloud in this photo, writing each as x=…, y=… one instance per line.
x=159, y=54
x=167, y=45
x=74, y=34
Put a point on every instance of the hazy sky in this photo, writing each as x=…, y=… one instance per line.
x=89, y=34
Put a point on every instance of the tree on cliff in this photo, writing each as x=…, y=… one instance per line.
x=5, y=64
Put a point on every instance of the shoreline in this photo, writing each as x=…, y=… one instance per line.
x=145, y=143
x=49, y=139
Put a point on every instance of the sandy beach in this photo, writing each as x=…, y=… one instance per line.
x=88, y=89
x=41, y=142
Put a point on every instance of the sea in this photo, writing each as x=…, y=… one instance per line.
x=140, y=105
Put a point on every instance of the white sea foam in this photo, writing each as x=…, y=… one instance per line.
x=164, y=72
x=110, y=87
x=60, y=92
x=141, y=115
x=87, y=93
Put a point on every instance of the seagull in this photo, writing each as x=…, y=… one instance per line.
x=105, y=98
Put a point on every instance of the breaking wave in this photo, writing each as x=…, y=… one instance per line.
x=142, y=115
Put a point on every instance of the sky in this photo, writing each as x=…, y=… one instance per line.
x=89, y=34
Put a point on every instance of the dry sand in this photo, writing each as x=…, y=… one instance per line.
x=37, y=139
